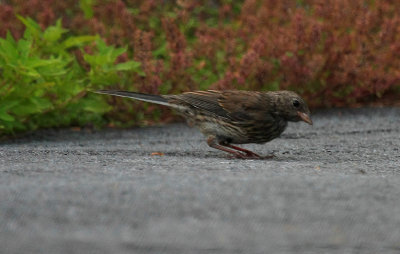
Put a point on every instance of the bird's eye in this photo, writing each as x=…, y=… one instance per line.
x=296, y=103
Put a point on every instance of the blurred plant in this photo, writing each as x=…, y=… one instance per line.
x=43, y=84
x=333, y=52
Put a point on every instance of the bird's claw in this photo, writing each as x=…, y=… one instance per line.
x=252, y=155
x=248, y=155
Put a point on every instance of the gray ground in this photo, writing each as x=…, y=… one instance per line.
x=332, y=188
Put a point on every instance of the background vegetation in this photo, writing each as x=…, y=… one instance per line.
x=333, y=52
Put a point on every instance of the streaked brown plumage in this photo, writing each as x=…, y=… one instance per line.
x=233, y=117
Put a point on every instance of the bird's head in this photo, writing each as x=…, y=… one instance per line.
x=292, y=107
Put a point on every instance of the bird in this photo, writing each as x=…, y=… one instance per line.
x=230, y=117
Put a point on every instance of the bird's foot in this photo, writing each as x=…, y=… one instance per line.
x=253, y=156
x=243, y=153
x=250, y=154
x=247, y=155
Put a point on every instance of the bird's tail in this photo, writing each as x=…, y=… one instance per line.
x=138, y=96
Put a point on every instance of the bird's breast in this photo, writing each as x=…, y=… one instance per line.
x=236, y=132
x=262, y=132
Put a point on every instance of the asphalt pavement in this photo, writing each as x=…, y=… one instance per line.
x=333, y=187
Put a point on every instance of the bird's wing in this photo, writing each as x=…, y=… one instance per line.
x=206, y=101
x=244, y=105
x=231, y=104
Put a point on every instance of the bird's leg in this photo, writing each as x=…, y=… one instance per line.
x=211, y=141
x=248, y=153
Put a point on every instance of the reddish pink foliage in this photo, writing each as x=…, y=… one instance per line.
x=333, y=52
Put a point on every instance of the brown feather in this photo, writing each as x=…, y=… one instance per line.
x=206, y=101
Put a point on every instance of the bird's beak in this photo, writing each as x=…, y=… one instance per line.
x=306, y=118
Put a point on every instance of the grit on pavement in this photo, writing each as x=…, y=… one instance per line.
x=333, y=187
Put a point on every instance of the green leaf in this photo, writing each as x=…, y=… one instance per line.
x=96, y=106
x=128, y=66
x=161, y=52
x=8, y=103
x=8, y=48
x=31, y=26
x=31, y=106
x=25, y=109
x=37, y=62
x=54, y=33
x=134, y=11
x=95, y=60
x=274, y=85
x=87, y=7
x=109, y=52
x=24, y=48
x=29, y=72
x=6, y=117
x=289, y=53
x=77, y=41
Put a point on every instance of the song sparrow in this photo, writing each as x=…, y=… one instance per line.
x=232, y=116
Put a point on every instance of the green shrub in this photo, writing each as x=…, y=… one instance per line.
x=44, y=83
